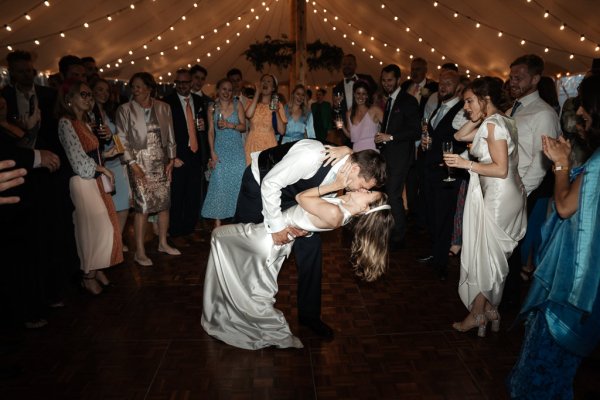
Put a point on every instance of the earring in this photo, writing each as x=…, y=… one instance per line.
x=69, y=104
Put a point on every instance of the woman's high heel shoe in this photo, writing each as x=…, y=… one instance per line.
x=479, y=322
x=493, y=316
x=90, y=284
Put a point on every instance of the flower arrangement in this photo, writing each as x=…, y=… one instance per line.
x=279, y=52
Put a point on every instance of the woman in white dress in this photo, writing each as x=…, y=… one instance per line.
x=495, y=217
x=241, y=275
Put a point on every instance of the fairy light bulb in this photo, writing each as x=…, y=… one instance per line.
x=546, y=14
x=500, y=34
x=27, y=17
x=582, y=38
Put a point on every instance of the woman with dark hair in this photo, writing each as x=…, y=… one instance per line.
x=145, y=127
x=226, y=123
x=103, y=113
x=241, y=276
x=97, y=231
x=494, y=218
x=563, y=304
x=265, y=113
x=299, y=117
x=547, y=89
x=363, y=118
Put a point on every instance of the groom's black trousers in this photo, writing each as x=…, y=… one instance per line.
x=308, y=250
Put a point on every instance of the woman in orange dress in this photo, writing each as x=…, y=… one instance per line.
x=260, y=113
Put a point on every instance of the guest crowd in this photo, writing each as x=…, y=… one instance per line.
x=485, y=168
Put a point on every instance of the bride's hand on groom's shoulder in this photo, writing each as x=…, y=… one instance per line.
x=333, y=154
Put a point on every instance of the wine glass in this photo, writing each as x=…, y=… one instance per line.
x=448, y=149
x=339, y=122
x=338, y=96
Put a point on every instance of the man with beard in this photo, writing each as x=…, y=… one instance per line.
x=439, y=196
x=399, y=130
x=534, y=118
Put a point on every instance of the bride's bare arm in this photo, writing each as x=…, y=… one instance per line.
x=322, y=213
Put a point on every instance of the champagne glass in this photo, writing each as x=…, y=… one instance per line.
x=448, y=149
x=338, y=96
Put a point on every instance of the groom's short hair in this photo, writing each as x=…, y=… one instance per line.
x=372, y=165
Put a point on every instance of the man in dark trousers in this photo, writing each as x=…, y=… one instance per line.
x=270, y=185
x=440, y=196
x=189, y=122
x=399, y=130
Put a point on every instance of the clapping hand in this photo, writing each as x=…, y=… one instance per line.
x=557, y=150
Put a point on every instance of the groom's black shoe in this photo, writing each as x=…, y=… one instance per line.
x=317, y=326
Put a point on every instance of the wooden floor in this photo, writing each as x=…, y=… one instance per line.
x=142, y=339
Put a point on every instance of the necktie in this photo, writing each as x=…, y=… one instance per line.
x=438, y=115
x=386, y=114
x=189, y=116
x=515, y=106
x=31, y=105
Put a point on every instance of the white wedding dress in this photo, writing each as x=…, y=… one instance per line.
x=241, y=283
x=494, y=220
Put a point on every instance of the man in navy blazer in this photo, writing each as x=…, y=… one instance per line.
x=192, y=157
x=399, y=130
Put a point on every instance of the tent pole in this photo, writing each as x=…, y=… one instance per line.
x=298, y=23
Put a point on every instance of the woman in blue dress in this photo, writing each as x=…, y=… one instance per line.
x=563, y=304
x=226, y=123
x=299, y=117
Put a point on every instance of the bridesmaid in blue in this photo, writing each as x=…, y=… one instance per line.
x=226, y=123
x=299, y=117
x=563, y=304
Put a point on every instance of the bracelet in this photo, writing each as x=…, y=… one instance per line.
x=471, y=166
x=319, y=190
x=559, y=168
x=131, y=162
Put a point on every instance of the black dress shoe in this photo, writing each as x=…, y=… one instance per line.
x=317, y=326
x=425, y=259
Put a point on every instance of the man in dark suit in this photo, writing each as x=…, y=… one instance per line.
x=399, y=130
x=418, y=73
x=270, y=185
x=440, y=196
x=31, y=107
x=189, y=123
x=344, y=87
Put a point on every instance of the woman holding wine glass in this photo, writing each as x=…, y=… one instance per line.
x=495, y=218
x=363, y=118
x=104, y=120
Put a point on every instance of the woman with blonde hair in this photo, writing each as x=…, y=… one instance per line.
x=241, y=276
x=145, y=127
x=97, y=231
x=299, y=117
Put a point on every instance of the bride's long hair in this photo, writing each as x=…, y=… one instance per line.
x=369, y=251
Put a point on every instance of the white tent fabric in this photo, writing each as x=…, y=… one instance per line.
x=201, y=27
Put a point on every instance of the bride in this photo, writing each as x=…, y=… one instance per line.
x=241, y=276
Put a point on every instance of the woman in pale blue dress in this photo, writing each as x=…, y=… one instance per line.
x=299, y=117
x=122, y=195
x=226, y=124
x=241, y=276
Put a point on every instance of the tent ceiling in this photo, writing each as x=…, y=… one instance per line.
x=479, y=50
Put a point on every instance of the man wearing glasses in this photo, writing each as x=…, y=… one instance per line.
x=189, y=121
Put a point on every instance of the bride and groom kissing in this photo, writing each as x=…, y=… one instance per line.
x=287, y=197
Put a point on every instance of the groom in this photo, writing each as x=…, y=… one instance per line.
x=270, y=185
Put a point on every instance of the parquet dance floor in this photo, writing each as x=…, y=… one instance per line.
x=142, y=339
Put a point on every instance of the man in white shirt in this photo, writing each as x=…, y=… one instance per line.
x=269, y=186
x=534, y=118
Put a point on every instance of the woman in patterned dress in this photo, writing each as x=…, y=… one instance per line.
x=226, y=123
x=145, y=127
x=262, y=134
x=97, y=231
